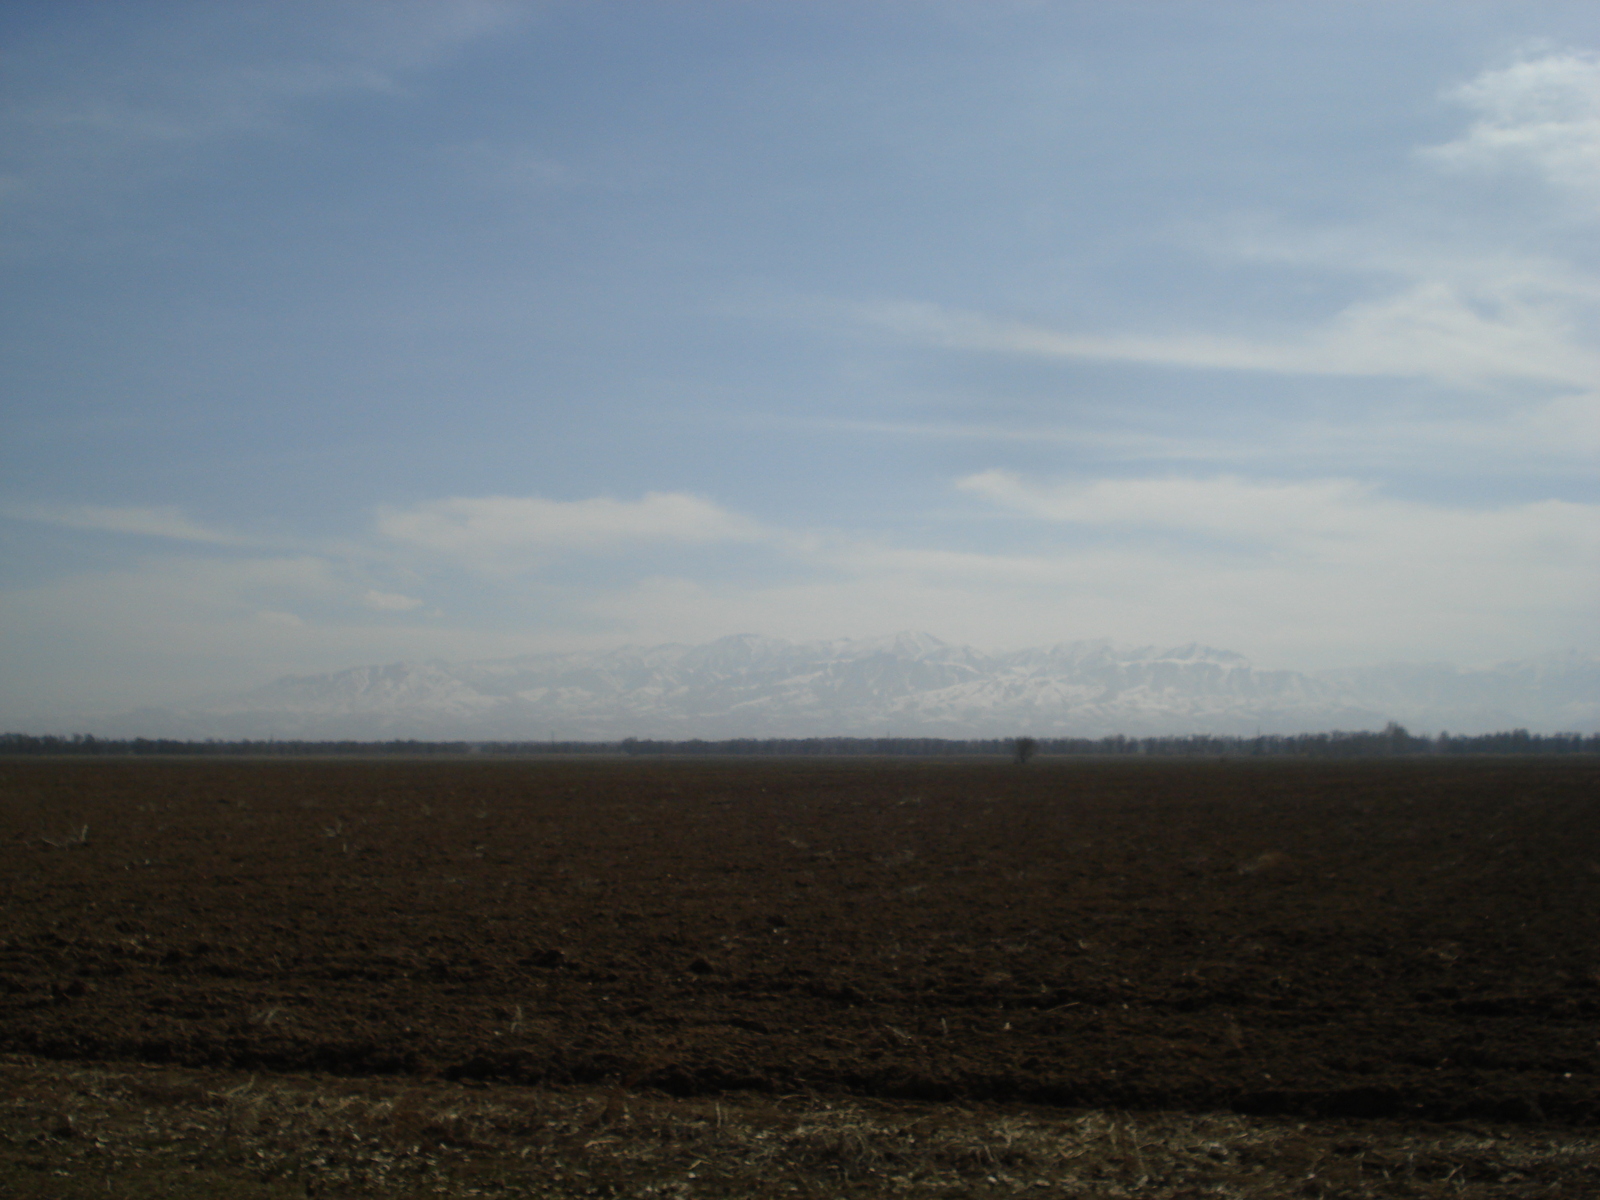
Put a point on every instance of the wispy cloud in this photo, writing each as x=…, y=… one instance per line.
x=501, y=529
x=1462, y=312
x=1430, y=330
x=1294, y=572
x=194, y=76
x=1225, y=505
x=1310, y=570
x=1331, y=518
x=163, y=522
x=515, y=167
x=389, y=601
x=1541, y=112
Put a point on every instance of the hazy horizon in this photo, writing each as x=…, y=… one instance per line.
x=362, y=332
x=903, y=684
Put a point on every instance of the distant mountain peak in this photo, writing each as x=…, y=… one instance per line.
x=909, y=683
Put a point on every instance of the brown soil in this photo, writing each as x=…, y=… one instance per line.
x=1386, y=939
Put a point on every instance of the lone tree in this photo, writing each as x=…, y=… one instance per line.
x=1025, y=748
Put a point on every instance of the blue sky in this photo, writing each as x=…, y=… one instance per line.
x=351, y=332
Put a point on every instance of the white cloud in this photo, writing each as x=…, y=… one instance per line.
x=491, y=529
x=1338, y=519
x=1226, y=505
x=1430, y=330
x=1294, y=573
x=1542, y=112
x=1331, y=561
x=163, y=522
x=1322, y=573
x=1567, y=423
x=389, y=601
x=1439, y=307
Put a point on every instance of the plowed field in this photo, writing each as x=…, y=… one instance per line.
x=1381, y=939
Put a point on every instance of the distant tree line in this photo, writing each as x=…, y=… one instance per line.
x=1389, y=742
x=1393, y=740
x=88, y=744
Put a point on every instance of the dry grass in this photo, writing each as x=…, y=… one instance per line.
x=77, y=836
x=136, y=1131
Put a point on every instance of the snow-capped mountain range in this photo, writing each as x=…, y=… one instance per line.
x=908, y=685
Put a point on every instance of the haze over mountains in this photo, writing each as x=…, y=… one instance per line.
x=907, y=684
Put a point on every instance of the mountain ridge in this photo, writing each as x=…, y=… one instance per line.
x=905, y=684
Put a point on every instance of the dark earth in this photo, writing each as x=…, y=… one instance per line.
x=1389, y=938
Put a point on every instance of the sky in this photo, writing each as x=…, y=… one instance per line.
x=349, y=332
